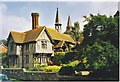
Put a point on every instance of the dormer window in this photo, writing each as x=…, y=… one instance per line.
x=44, y=44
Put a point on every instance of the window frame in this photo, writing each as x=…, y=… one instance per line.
x=44, y=44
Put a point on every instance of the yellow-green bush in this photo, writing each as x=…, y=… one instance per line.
x=51, y=68
x=74, y=63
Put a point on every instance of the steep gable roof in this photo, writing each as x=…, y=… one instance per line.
x=3, y=48
x=32, y=35
x=58, y=36
x=67, y=31
x=27, y=36
x=78, y=42
x=60, y=44
x=18, y=37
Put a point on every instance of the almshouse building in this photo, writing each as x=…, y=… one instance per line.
x=37, y=46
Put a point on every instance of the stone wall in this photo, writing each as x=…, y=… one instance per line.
x=22, y=74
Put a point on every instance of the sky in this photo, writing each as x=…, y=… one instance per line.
x=16, y=15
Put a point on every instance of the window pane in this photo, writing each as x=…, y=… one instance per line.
x=44, y=44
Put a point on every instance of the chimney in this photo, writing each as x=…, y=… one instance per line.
x=35, y=17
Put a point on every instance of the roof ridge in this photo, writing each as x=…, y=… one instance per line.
x=39, y=32
x=33, y=29
x=17, y=32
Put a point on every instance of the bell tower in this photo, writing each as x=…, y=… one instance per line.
x=58, y=22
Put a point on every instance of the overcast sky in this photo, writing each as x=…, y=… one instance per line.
x=16, y=16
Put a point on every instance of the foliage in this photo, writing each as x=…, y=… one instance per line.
x=67, y=70
x=101, y=27
x=76, y=31
x=69, y=57
x=58, y=58
x=45, y=68
x=3, y=54
x=74, y=63
x=5, y=65
x=100, y=56
x=51, y=68
x=5, y=59
x=99, y=50
x=4, y=42
x=69, y=48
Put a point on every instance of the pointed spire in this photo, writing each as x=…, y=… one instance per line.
x=57, y=21
x=69, y=24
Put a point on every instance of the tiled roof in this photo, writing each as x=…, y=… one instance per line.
x=78, y=42
x=59, y=44
x=18, y=37
x=3, y=48
x=32, y=35
x=67, y=31
x=58, y=36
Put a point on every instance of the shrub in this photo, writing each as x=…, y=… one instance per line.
x=100, y=57
x=58, y=58
x=74, y=63
x=5, y=59
x=67, y=70
x=5, y=65
x=69, y=57
x=30, y=69
x=52, y=68
x=49, y=70
x=44, y=66
x=35, y=69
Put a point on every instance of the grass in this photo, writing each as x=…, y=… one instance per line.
x=14, y=79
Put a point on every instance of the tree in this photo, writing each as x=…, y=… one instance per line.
x=76, y=31
x=99, y=49
x=4, y=42
x=100, y=56
x=101, y=27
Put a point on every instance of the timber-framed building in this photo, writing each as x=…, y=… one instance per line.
x=38, y=44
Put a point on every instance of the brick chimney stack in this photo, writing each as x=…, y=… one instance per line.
x=35, y=22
